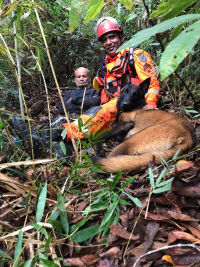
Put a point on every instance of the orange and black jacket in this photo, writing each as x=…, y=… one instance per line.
x=119, y=67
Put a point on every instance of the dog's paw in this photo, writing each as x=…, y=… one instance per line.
x=94, y=159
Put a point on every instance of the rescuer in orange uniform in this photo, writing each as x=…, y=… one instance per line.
x=131, y=65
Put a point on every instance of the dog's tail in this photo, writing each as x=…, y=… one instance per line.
x=132, y=163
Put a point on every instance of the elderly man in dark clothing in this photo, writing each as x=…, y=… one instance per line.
x=73, y=99
x=77, y=101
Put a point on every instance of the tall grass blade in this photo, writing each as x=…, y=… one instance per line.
x=63, y=213
x=18, y=248
x=41, y=203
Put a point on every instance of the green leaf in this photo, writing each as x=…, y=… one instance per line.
x=84, y=144
x=108, y=224
x=96, y=129
x=63, y=213
x=26, y=264
x=163, y=160
x=80, y=124
x=85, y=234
x=151, y=178
x=43, y=256
x=109, y=214
x=74, y=14
x=94, y=10
x=48, y=241
x=116, y=179
x=79, y=224
x=177, y=153
x=160, y=176
x=124, y=202
x=176, y=31
x=38, y=194
x=56, y=224
x=134, y=199
x=64, y=133
x=188, y=111
x=18, y=248
x=4, y=260
x=42, y=230
x=49, y=263
x=92, y=117
x=58, y=259
x=165, y=182
x=27, y=199
x=176, y=7
x=94, y=169
x=127, y=3
x=62, y=145
x=99, y=134
x=146, y=34
x=41, y=203
x=130, y=17
x=4, y=254
x=94, y=2
x=55, y=213
x=100, y=206
x=178, y=49
x=116, y=219
x=86, y=158
x=162, y=189
x=171, y=8
x=130, y=180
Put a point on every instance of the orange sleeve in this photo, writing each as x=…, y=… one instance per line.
x=145, y=69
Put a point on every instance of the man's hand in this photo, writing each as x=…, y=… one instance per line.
x=148, y=106
x=69, y=100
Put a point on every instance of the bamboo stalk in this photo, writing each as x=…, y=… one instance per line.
x=18, y=62
x=55, y=78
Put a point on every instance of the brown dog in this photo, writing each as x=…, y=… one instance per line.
x=146, y=133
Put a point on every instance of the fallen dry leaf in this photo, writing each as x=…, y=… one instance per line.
x=81, y=261
x=118, y=230
x=185, y=189
x=185, y=236
x=193, y=229
x=190, y=257
x=111, y=252
x=176, y=213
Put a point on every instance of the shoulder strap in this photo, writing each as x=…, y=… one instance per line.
x=100, y=71
x=131, y=59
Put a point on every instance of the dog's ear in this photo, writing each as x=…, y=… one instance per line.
x=119, y=100
x=145, y=85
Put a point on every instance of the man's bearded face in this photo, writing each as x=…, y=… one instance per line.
x=82, y=79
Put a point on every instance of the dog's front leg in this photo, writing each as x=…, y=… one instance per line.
x=119, y=130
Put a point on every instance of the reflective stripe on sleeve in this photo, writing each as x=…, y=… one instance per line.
x=153, y=91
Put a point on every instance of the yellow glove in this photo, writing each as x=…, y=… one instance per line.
x=96, y=86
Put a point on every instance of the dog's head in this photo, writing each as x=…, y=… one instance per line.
x=133, y=96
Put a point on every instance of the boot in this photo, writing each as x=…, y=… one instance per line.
x=41, y=142
x=58, y=153
x=21, y=127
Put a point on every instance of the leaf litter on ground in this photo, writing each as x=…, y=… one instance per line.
x=97, y=223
